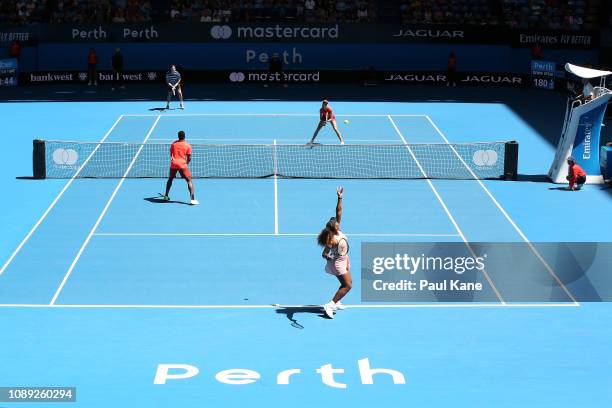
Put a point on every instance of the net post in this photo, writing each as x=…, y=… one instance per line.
x=275, y=159
x=511, y=160
x=39, y=165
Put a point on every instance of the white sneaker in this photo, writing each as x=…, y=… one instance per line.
x=339, y=306
x=342, y=143
x=182, y=107
x=166, y=198
x=194, y=202
x=329, y=310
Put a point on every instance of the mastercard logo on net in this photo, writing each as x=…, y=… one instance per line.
x=65, y=157
x=485, y=157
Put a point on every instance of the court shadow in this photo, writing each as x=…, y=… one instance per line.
x=290, y=313
x=160, y=200
x=157, y=109
x=534, y=178
x=559, y=188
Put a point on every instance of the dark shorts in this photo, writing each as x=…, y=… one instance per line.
x=580, y=180
x=185, y=173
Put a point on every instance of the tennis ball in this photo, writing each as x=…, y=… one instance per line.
x=346, y=122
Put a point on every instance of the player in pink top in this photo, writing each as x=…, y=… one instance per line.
x=335, y=252
x=326, y=114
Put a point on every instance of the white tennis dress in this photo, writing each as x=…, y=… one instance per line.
x=339, y=264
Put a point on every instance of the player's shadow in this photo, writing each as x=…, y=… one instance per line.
x=290, y=313
x=160, y=200
x=564, y=188
x=157, y=109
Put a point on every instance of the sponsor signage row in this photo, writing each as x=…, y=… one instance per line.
x=466, y=78
x=287, y=77
x=50, y=77
x=266, y=32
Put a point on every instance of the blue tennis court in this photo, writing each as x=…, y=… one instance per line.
x=102, y=283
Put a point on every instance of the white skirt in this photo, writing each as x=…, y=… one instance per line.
x=338, y=266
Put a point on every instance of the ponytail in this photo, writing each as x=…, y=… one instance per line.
x=326, y=235
x=322, y=237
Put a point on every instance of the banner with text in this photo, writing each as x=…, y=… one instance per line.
x=242, y=77
x=486, y=272
x=295, y=33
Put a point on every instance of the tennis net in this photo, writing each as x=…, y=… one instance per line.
x=487, y=160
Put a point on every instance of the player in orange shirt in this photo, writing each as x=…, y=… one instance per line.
x=180, y=156
x=575, y=175
x=326, y=114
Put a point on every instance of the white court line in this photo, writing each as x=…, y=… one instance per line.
x=61, y=193
x=276, y=114
x=102, y=214
x=222, y=234
x=275, y=191
x=448, y=213
x=505, y=214
x=279, y=141
x=362, y=306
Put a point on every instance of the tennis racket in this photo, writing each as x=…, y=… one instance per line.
x=343, y=247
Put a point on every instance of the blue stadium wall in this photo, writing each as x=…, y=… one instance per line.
x=202, y=56
x=307, y=47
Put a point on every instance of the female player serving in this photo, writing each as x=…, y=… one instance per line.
x=326, y=114
x=335, y=251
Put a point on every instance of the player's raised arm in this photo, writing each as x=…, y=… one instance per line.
x=339, y=191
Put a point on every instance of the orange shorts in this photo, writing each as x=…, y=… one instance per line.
x=184, y=172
